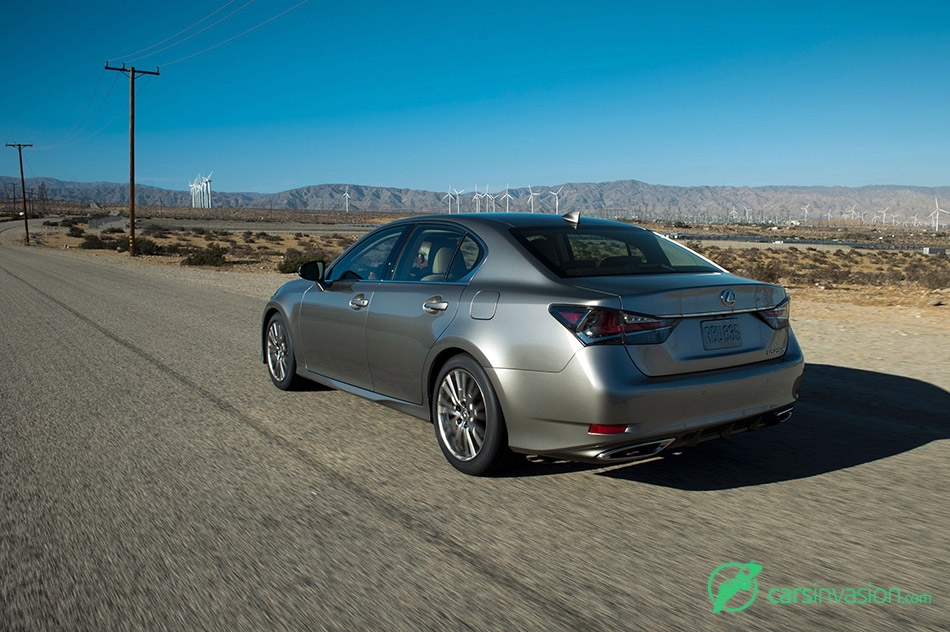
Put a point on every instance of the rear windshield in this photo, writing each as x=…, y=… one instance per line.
x=608, y=250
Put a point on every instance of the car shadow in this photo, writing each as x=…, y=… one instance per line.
x=844, y=417
x=309, y=386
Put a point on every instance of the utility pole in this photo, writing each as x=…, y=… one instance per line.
x=132, y=72
x=19, y=149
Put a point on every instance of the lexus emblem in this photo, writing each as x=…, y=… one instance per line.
x=728, y=298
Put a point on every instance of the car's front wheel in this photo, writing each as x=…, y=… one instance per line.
x=281, y=363
x=468, y=420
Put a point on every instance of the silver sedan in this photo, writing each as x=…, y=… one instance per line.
x=571, y=337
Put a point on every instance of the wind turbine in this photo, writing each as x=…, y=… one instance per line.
x=477, y=198
x=194, y=192
x=449, y=196
x=936, y=215
x=531, y=195
x=805, y=209
x=458, y=200
x=555, y=194
x=346, y=199
x=490, y=197
x=206, y=186
x=506, y=197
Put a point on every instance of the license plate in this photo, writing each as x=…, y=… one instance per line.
x=721, y=334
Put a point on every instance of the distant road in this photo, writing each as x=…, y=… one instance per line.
x=151, y=477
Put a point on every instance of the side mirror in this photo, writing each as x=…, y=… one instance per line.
x=312, y=271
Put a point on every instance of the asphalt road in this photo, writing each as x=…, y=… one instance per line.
x=152, y=477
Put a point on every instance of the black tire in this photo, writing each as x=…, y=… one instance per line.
x=279, y=354
x=468, y=420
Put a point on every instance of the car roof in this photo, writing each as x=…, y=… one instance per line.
x=516, y=220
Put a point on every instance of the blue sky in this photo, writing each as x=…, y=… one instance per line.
x=425, y=95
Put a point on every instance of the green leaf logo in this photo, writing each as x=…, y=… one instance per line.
x=725, y=583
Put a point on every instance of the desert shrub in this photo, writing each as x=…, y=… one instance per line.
x=294, y=258
x=936, y=279
x=146, y=246
x=177, y=249
x=158, y=232
x=115, y=230
x=241, y=250
x=212, y=255
x=768, y=271
x=76, y=231
x=91, y=242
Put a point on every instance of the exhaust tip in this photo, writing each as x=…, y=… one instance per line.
x=635, y=452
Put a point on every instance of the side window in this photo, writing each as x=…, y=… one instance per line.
x=469, y=255
x=368, y=260
x=428, y=254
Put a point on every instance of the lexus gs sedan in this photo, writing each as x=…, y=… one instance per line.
x=570, y=337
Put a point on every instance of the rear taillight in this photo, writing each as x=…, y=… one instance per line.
x=601, y=325
x=777, y=317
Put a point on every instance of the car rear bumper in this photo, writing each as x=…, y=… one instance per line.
x=550, y=413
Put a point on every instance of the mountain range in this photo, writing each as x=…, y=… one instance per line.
x=621, y=197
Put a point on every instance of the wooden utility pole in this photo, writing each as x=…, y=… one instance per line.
x=132, y=72
x=19, y=149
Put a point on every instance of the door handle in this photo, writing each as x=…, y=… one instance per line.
x=359, y=302
x=435, y=304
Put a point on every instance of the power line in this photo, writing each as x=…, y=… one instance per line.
x=185, y=30
x=88, y=103
x=231, y=39
x=73, y=133
x=195, y=34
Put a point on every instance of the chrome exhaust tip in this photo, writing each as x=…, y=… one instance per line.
x=635, y=452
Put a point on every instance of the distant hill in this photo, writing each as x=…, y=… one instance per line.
x=626, y=197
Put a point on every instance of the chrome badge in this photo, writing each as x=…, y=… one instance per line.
x=728, y=298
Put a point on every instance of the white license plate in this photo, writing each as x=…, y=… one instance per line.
x=721, y=334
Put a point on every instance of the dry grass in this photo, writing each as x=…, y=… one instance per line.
x=851, y=267
x=863, y=275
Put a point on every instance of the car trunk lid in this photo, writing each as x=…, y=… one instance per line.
x=717, y=324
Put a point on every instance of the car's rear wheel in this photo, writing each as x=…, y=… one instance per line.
x=281, y=363
x=469, y=424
